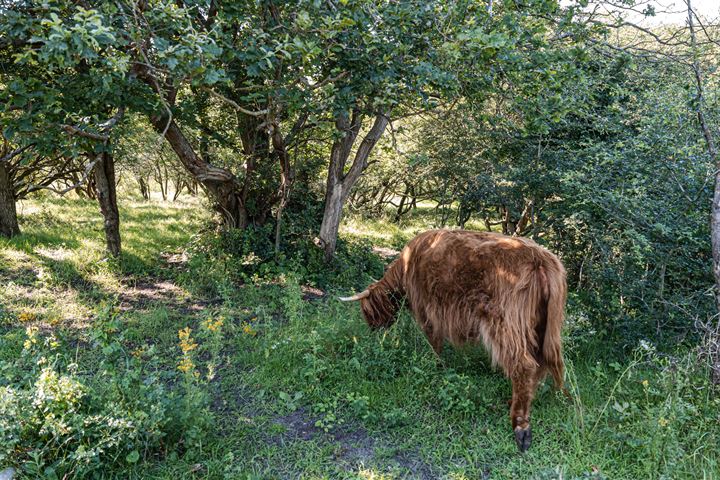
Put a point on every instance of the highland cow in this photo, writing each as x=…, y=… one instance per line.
x=506, y=292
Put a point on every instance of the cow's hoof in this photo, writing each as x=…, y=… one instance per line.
x=523, y=438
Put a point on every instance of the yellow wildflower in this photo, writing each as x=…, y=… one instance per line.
x=645, y=383
x=25, y=317
x=53, y=342
x=138, y=352
x=663, y=422
x=31, y=333
x=187, y=343
x=248, y=330
x=186, y=365
x=214, y=325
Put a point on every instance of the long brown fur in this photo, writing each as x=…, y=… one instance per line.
x=506, y=292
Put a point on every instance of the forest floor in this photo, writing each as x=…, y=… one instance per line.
x=296, y=386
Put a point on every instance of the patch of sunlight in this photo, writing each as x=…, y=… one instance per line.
x=14, y=256
x=358, y=228
x=68, y=310
x=46, y=306
x=457, y=476
x=90, y=246
x=156, y=201
x=42, y=274
x=57, y=254
x=12, y=292
x=106, y=280
x=369, y=474
x=28, y=207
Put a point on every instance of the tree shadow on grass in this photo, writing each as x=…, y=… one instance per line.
x=135, y=265
x=28, y=241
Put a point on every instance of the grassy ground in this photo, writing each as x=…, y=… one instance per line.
x=280, y=380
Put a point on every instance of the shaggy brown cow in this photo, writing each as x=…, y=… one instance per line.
x=466, y=286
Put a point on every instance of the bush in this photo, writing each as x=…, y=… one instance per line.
x=59, y=421
x=221, y=260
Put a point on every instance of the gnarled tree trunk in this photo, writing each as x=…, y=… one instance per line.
x=331, y=219
x=104, y=173
x=8, y=213
x=221, y=184
x=339, y=184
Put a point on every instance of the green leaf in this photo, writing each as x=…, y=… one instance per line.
x=133, y=456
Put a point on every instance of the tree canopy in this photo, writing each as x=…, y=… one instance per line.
x=578, y=128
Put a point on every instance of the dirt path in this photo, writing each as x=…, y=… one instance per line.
x=354, y=446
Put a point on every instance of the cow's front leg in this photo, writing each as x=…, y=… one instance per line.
x=524, y=383
x=435, y=340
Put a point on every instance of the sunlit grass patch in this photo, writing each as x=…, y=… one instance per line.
x=370, y=474
x=58, y=270
x=387, y=233
x=70, y=230
x=48, y=306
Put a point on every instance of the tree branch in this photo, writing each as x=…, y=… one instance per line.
x=234, y=104
x=88, y=169
x=85, y=134
x=9, y=156
x=363, y=151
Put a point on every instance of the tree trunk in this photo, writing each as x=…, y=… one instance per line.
x=221, y=184
x=178, y=185
x=287, y=177
x=8, y=213
x=339, y=185
x=524, y=219
x=105, y=183
x=144, y=188
x=401, y=208
x=160, y=181
x=90, y=189
x=713, y=341
x=331, y=221
x=505, y=223
x=167, y=183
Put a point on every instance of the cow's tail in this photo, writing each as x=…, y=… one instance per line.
x=552, y=343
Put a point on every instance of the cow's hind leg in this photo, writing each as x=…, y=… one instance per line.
x=524, y=384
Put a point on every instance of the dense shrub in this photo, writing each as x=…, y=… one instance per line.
x=62, y=419
x=614, y=179
x=222, y=260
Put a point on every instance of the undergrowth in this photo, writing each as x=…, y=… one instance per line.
x=256, y=370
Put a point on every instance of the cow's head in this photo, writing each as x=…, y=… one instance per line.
x=378, y=303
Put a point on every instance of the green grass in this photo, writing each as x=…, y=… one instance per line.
x=57, y=269
x=293, y=388
x=382, y=232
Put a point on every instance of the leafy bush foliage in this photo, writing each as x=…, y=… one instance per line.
x=222, y=260
x=60, y=420
x=613, y=178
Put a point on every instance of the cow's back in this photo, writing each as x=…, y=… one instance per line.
x=457, y=278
